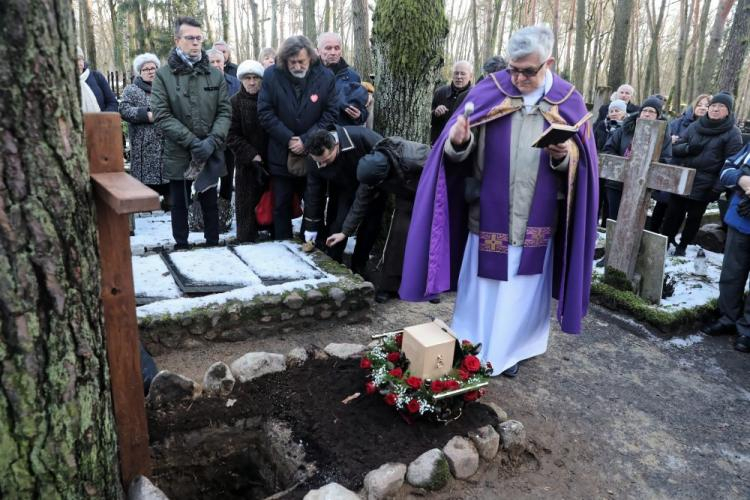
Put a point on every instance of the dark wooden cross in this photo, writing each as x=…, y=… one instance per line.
x=640, y=174
x=118, y=194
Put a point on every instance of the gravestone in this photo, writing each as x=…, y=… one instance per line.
x=649, y=267
x=640, y=174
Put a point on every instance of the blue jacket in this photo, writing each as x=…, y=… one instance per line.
x=104, y=95
x=233, y=84
x=730, y=175
x=350, y=93
x=679, y=125
x=286, y=113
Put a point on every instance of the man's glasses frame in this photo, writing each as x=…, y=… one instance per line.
x=193, y=38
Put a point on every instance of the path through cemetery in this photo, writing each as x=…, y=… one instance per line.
x=611, y=413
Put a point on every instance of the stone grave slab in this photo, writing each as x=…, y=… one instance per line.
x=276, y=262
x=209, y=270
x=152, y=280
x=649, y=264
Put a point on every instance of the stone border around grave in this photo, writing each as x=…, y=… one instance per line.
x=459, y=459
x=349, y=299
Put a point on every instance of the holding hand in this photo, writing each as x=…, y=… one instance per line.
x=352, y=112
x=440, y=110
x=335, y=239
x=460, y=133
x=296, y=146
x=558, y=152
x=202, y=149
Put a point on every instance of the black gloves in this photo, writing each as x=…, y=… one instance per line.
x=695, y=148
x=202, y=149
x=743, y=208
x=261, y=176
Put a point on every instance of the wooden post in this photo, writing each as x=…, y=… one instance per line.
x=639, y=175
x=118, y=194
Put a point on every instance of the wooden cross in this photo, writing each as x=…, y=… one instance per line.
x=118, y=194
x=639, y=175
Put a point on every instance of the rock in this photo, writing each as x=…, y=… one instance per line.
x=306, y=311
x=501, y=415
x=294, y=301
x=331, y=491
x=712, y=237
x=462, y=456
x=512, y=435
x=385, y=481
x=319, y=354
x=256, y=364
x=344, y=350
x=168, y=387
x=143, y=489
x=286, y=315
x=325, y=314
x=342, y=313
x=487, y=441
x=218, y=379
x=314, y=296
x=270, y=300
x=338, y=295
x=296, y=357
x=430, y=470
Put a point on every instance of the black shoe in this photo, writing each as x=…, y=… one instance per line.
x=436, y=300
x=382, y=297
x=742, y=344
x=719, y=328
x=181, y=246
x=212, y=244
x=679, y=251
x=511, y=372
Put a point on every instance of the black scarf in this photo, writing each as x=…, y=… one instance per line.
x=142, y=84
x=455, y=91
x=707, y=126
x=341, y=65
x=244, y=94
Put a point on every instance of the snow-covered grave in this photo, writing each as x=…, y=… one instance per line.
x=234, y=292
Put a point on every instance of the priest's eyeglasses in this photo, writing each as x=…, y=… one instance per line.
x=527, y=72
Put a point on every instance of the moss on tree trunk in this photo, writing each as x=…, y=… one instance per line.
x=408, y=38
x=57, y=435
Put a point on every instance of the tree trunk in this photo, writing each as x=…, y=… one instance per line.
x=207, y=20
x=308, y=20
x=711, y=58
x=361, y=27
x=475, y=34
x=408, y=57
x=274, y=27
x=492, y=38
x=618, y=50
x=652, y=68
x=701, y=37
x=224, y=20
x=117, y=52
x=733, y=58
x=555, y=28
x=579, y=68
x=57, y=431
x=240, y=47
x=680, y=61
x=256, y=31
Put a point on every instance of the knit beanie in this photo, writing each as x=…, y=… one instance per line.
x=618, y=104
x=653, y=102
x=372, y=169
x=724, y=98
x=249, y=67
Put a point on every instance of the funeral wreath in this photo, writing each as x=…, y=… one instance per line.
x=441, y=399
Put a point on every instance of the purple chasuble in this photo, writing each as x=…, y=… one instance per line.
x=438, y=230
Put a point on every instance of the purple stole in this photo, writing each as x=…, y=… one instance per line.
x=494, y=215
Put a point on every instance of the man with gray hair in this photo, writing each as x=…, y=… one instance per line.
x=352, y=95
x=449, y=97
x=507, y=224
x=625, y=92
x=229, y=67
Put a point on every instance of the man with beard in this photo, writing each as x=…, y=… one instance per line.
x=449, y=97
x=352, y=96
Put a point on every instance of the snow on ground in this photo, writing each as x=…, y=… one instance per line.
x=154, y=231
x=273, y=260
x=685, y=341
x=152, y=278
x=207, y=266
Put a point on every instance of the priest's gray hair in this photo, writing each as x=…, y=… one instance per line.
x=142, y=59
x=531, y=40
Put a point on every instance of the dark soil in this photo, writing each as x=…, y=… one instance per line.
x=345, y=441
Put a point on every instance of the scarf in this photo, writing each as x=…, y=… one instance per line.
x=89, y=104
x=142, y=84
x=186, y=58
x=707, y=126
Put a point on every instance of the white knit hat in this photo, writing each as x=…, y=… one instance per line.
x=250, y=67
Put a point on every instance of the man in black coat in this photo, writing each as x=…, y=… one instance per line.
x=334, y=156
x=229, y=67
x=353, y=97
x=297, y=97
x=448, y=97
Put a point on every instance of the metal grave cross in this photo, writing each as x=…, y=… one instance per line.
x=117, y=194
x=640, y=174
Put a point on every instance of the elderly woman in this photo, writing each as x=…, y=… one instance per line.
x=145, y=138
x=95, y=92
x=248, y=140
x=267, y=57
x=704, y=146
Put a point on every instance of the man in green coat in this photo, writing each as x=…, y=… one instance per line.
x=191, y=107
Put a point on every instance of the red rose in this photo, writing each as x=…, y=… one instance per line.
x=393, y=357
x=463, y=374
x=370, y=388
x=399, y=339
x=413, y=406
x=471, y=396
x=390, y=399
x=365, y=363
x=396, y=372
x=437, y=386
x=451, y=385
x=471, y=364
x=414, y=382
x=489, y=366
x=466, y=343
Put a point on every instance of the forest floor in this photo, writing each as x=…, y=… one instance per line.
x=616, y=412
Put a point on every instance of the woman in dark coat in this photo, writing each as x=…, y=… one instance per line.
x=707, y=143
x=248, y=141
x=679, y=125
x=619, y=144
x=97, y=83
x=145, y=137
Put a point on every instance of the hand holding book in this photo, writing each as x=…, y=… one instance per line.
x=558, y=133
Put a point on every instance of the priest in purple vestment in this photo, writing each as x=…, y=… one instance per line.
x=508, y=225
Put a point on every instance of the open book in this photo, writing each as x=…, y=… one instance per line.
x=558, y=133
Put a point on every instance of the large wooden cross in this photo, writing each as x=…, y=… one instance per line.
x=640, y=174
x=118, y=194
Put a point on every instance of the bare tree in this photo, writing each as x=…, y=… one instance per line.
x=733, y=58
x=619, y=47
x=711, y=58
x=655, y=24
x=680, y=60
x=361, y=28
x=256, y=29
x=308, y=20
x=579, y=68
x=274, y=26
